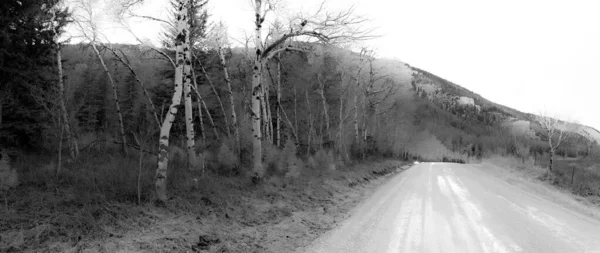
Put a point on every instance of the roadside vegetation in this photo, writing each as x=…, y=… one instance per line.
x=93, y=205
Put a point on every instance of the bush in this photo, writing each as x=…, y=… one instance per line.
x=227, y=160
x=322, y=161
x=271, y=160
x=289, y=163
x=8, y=176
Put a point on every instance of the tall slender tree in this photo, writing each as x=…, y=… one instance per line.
x=55, y=26
x=163, y=155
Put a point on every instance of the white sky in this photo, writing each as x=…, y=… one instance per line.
x=531, y=55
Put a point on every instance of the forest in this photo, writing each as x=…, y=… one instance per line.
x=91, y=129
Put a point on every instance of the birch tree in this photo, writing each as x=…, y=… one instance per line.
x=86, y=22
x=220, y=43
x=122, y=58
x=321, y=91
x=556, y=132
x=194, y=30
x=180, y=58
x=187, y=85
x=322, y=26
x=54, y=26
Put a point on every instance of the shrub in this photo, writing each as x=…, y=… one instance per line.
x=227, y=160
x=271, y=160
x=322, y=161
x=8, y=176
x=289, y=163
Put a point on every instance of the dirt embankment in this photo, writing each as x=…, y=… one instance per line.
x=220, y=214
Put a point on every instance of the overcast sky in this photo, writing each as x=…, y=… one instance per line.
x=531, y=55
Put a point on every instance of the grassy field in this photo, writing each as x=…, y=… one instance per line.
x=580, y=176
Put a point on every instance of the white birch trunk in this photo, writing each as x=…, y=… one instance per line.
x=279, y=102
x=234, y=122
x=163, y=148
x=187, y=87
x=258, y=169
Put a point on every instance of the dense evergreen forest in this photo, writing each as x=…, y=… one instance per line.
x=95, y=122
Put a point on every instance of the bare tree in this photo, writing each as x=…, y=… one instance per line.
x=66, y=128
x=219, y=38
x=85, y=20
x=321, y=91
x=522, y=149
x=322, y=26
x=556, y=132
x=122, y=58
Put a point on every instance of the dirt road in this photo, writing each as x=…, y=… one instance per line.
x=441, y=207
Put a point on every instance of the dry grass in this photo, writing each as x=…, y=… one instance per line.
x=92, y=206
x=535, y=179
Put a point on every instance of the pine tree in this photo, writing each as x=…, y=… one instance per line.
x=26, y=65
x=198, y=17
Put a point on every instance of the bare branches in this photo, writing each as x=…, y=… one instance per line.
x=122, y=59
x=556, y=131
x=554, y=128
x=162, y=21
x=327, y=27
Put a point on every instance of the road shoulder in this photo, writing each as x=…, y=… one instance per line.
x=530, y=182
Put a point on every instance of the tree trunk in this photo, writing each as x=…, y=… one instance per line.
x=210, y=119
x=257, y=94
x=551, y=159
x=212, y=86
x=187, y=87
x=310, y=124
x=279, y=102
x=296, y=113
x=294, y=131
x=115, y=94
x=163, y=147
x=340, y=133
x=139, y=81
x=324, y=101
x=60, y=142
x=234, y=121
x=269, y=118
x=199, y=105
x=74, y=151
x=356, y=133
x=263, y=108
